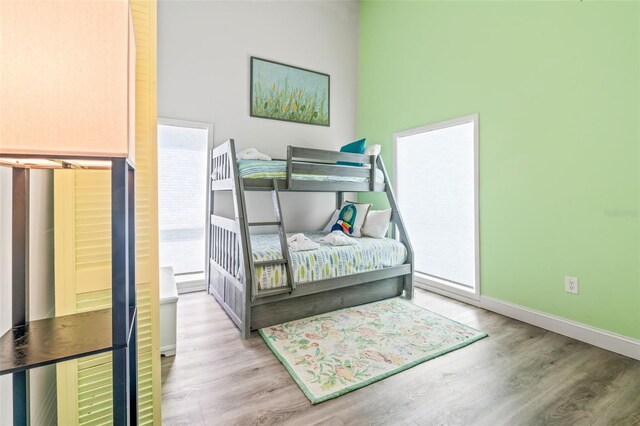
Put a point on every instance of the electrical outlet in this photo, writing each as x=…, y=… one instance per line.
x=571, y=285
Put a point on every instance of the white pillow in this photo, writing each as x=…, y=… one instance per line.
x=346, y=223
x=334, y=218
x=377, y=223
x=372, y=150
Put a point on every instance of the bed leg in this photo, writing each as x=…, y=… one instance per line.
x=408, y=286
x=246, y=331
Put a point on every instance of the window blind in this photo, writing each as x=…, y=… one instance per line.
x=182, y=187
x=435, y=174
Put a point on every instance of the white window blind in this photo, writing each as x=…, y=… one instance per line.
x=182, y=197
x=435, y=177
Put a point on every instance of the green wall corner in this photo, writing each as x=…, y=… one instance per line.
x=557, y=89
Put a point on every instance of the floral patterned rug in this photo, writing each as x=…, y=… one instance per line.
x=331, y=354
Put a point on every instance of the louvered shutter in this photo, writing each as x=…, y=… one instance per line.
x=83, y=234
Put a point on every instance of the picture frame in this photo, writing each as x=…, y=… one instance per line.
x=288, y=93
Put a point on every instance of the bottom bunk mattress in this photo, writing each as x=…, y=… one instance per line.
x=368, y=254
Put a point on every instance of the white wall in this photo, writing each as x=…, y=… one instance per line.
x=41, y=275
x=203, y=75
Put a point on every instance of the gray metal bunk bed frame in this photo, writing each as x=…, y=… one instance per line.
x=231, y=271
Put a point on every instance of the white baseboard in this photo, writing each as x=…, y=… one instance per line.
x=191, y=283
x=449, y=294
x=191, y=287
x=594, y=336
x=168, y=350
x=585, y=333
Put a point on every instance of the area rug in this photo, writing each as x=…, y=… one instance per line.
x=331, y=354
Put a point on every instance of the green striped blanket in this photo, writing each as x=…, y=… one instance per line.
x=369, y=254
x=277, y=169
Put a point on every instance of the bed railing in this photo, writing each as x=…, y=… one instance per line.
x=301, y=161
x=230, y=263
x=221, y=167
x=398, y=230
x=226, y=252
x=323, y=163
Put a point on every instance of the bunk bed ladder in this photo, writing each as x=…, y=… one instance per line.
x=284, y=247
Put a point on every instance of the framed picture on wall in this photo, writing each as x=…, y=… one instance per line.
x=288, y=93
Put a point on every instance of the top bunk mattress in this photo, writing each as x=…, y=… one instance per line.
x=277, y=169
x=368, y=254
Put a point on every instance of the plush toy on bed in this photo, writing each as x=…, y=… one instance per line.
x=346, y=220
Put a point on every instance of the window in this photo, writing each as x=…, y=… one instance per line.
x=436, y=179
x=182, y=196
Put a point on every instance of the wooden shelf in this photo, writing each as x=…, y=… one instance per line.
x=63, y=338
x=52, y=340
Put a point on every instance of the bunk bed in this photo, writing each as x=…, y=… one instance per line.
x=239, y=261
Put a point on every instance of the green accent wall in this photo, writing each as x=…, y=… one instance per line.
x=557, y=89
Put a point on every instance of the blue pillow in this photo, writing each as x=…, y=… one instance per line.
x=356, y=147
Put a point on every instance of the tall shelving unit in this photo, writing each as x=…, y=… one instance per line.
x=67, y=100
x=31, y=344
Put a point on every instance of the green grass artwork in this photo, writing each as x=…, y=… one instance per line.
x=283, y=92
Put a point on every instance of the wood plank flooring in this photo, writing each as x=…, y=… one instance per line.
x=519, y=375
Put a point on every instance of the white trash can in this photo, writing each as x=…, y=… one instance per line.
x=168, y=311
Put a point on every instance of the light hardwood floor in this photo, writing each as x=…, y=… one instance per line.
x=519, y=375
